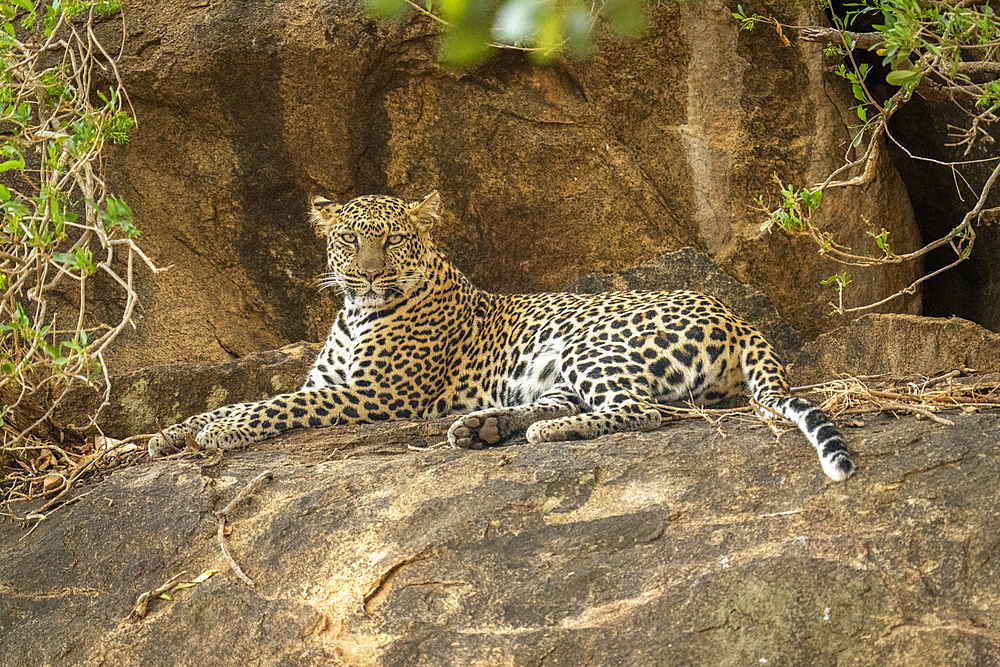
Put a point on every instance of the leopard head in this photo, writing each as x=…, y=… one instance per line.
x=377, y=246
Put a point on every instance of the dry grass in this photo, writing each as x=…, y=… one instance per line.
x=35, y=470
x=965, y=389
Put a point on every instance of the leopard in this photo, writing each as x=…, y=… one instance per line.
x=415, y=339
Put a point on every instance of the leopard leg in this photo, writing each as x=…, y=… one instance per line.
x=172, y=439
x=309, y=408
x=493, y=425
x=629, y=416
x=616, y=401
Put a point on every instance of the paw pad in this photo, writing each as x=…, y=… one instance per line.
x=475, y=432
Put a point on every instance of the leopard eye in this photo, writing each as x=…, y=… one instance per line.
x=348, y=238
x=394, y=239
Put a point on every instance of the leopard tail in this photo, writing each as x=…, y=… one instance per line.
x=765, y=376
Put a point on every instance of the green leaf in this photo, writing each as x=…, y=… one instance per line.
x=902, y=77
x=118, y=214
x=812, y=199
x=22, y=113
x=25, y=5
x=465, y=46
x=862, y=114
x=842, y=279
x=12, y=164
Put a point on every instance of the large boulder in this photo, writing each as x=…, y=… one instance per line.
x=698, y=544
x=246, y=109
x=898, y=345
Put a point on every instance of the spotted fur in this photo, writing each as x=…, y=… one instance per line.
x=417, y=340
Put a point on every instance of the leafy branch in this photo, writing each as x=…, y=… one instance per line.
x=59, y=227
x=939, y=50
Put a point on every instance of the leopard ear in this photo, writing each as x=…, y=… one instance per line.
x=424, y=213
x=324, y=214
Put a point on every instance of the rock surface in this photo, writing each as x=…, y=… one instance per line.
x=173, y=392
x=686, y=546
x=898, y=345
x=246, y=109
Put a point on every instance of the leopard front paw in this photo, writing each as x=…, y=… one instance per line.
x=475, y=431
x=168, y=441
x=222, y=434
x=542, y=431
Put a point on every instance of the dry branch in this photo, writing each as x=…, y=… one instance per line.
x=874, y=395
x=247, y=490
x=860, y=40
x=139, y=611
x=937, y=62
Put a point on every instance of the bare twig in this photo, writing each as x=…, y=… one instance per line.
x=249, y=488
x=923, y=412
x=139, y=611
x=873, y=394
x=859, y=40
x=869, y=41
x=222, y=525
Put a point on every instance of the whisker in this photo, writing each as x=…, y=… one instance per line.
x=328, y=280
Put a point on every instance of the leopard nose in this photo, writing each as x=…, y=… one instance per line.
x=371, y=274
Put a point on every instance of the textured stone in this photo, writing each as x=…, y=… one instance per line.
x=898, y=345
x=689, y=545
x=170, y=393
